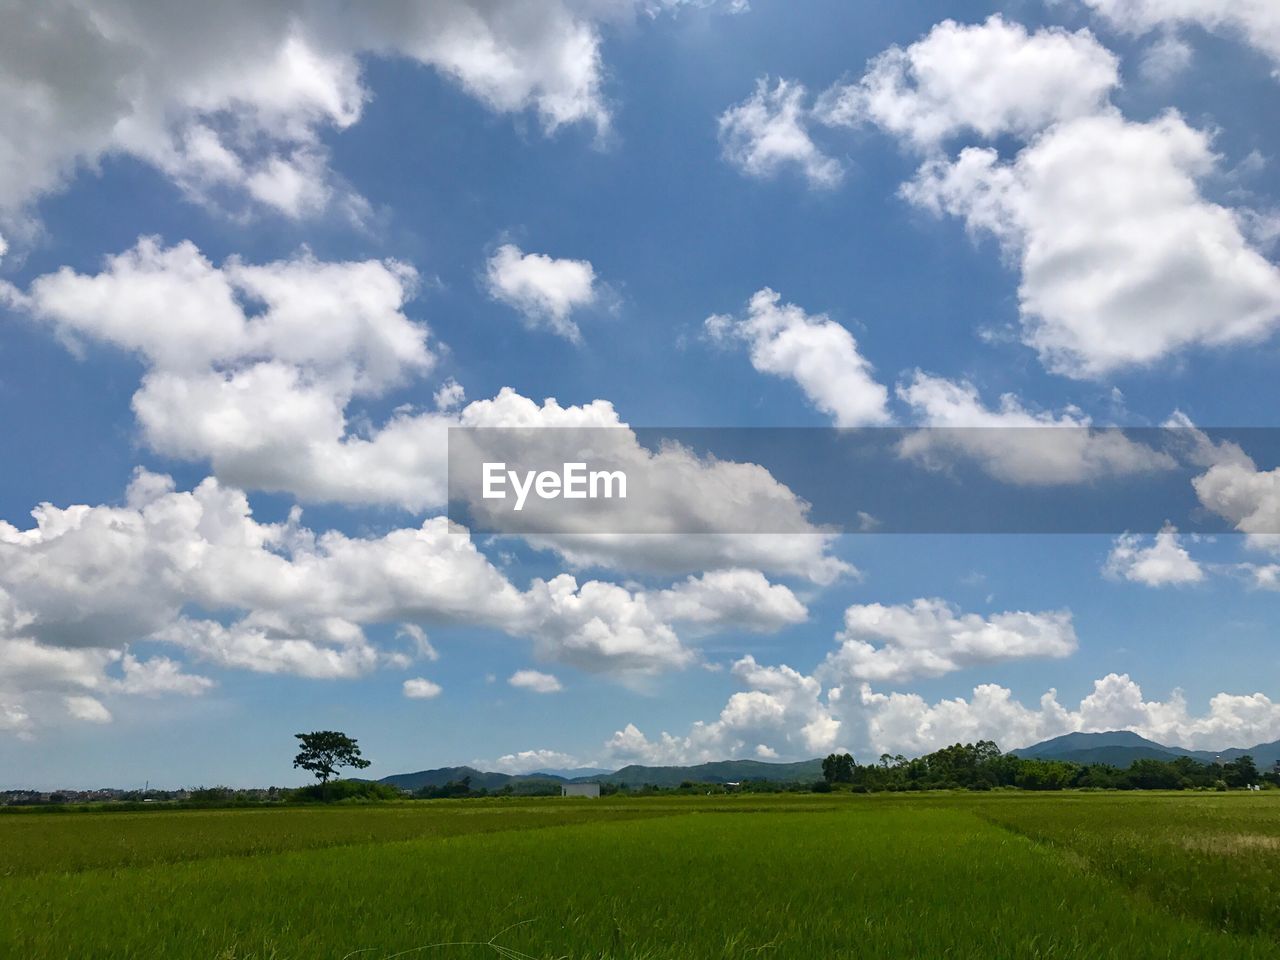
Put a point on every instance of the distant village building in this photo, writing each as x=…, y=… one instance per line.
x=580, y=790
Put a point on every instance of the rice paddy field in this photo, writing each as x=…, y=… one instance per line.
x=783, y=876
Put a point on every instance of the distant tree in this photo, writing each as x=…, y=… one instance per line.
x=1150, y=774
x=324, y=752
x=838, y=768
x=1241, y=772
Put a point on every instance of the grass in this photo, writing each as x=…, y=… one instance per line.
x=1213, y=857
x=947, y=875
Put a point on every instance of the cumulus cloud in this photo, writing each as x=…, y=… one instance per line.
x=930, y=638
x=783, y=712
x=535, y=681
x=449, y=395
x=264, y=376
x=535, y=761
x=195, y=570
x=253, y=367
x=679, y=519
x=819, y=354
x=1235, y=488
x=729, y=599
x=988, y=79
x=780, y=706
x=420, y=688
x=234, y=102
x=1113, y=277
x=1123, y=260
x=597, y=626
x=1256, y=22
x=545, y=291
x=768, y=132
x=1164, y=562
x=908, y=723
x=1014, y=444
x=158, y=675
x=793, y=718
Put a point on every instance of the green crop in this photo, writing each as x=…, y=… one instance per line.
x=929, y=875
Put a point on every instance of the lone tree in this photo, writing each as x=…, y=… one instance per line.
x=324, y=751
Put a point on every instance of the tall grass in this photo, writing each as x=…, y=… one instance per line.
x=1212, y=856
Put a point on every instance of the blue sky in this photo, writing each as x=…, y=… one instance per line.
x=329, y=204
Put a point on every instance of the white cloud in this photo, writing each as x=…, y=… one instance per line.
x=266, y=642
x=1166, y=59
x=792, y=719
x=930, y=637
x=535, y=681
x=768, y=132
x=263, y=378
x=1263, y=576
x=253, y=367
x=36, y=678
x=729, y=599
x=546, y=291
x=1165, y=562
x=159, y=675
x=197, y=571
x=601, y=626
x=763, y=525
x=990, y=79
x=1014, y=444
x=1234, y=488
x=420, y=688
x=780, y=706
x=668, y=551
x=422, y=646
x=15, y=719
x=1123, y=261
x=535, y=761
x=233, y=102
x=1232, y=485
x=1257, y=22
x=88, y=709
x=907, y=722
x=450, y=395
x=815, y=351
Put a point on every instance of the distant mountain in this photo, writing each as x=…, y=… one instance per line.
x=723, y=771
x=479, y=778
x=1120, y=748
x=577, y=773
x=1265, y=755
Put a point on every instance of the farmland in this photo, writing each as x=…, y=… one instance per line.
x=954, y=874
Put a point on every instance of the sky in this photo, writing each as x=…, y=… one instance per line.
x=256, y=260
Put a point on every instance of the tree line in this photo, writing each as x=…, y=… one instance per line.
x=982, y=766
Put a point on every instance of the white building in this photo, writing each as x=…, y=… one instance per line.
x=580, y=790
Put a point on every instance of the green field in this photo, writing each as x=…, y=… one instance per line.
x=813, y=876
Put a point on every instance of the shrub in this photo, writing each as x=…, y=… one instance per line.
x=345, y=790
